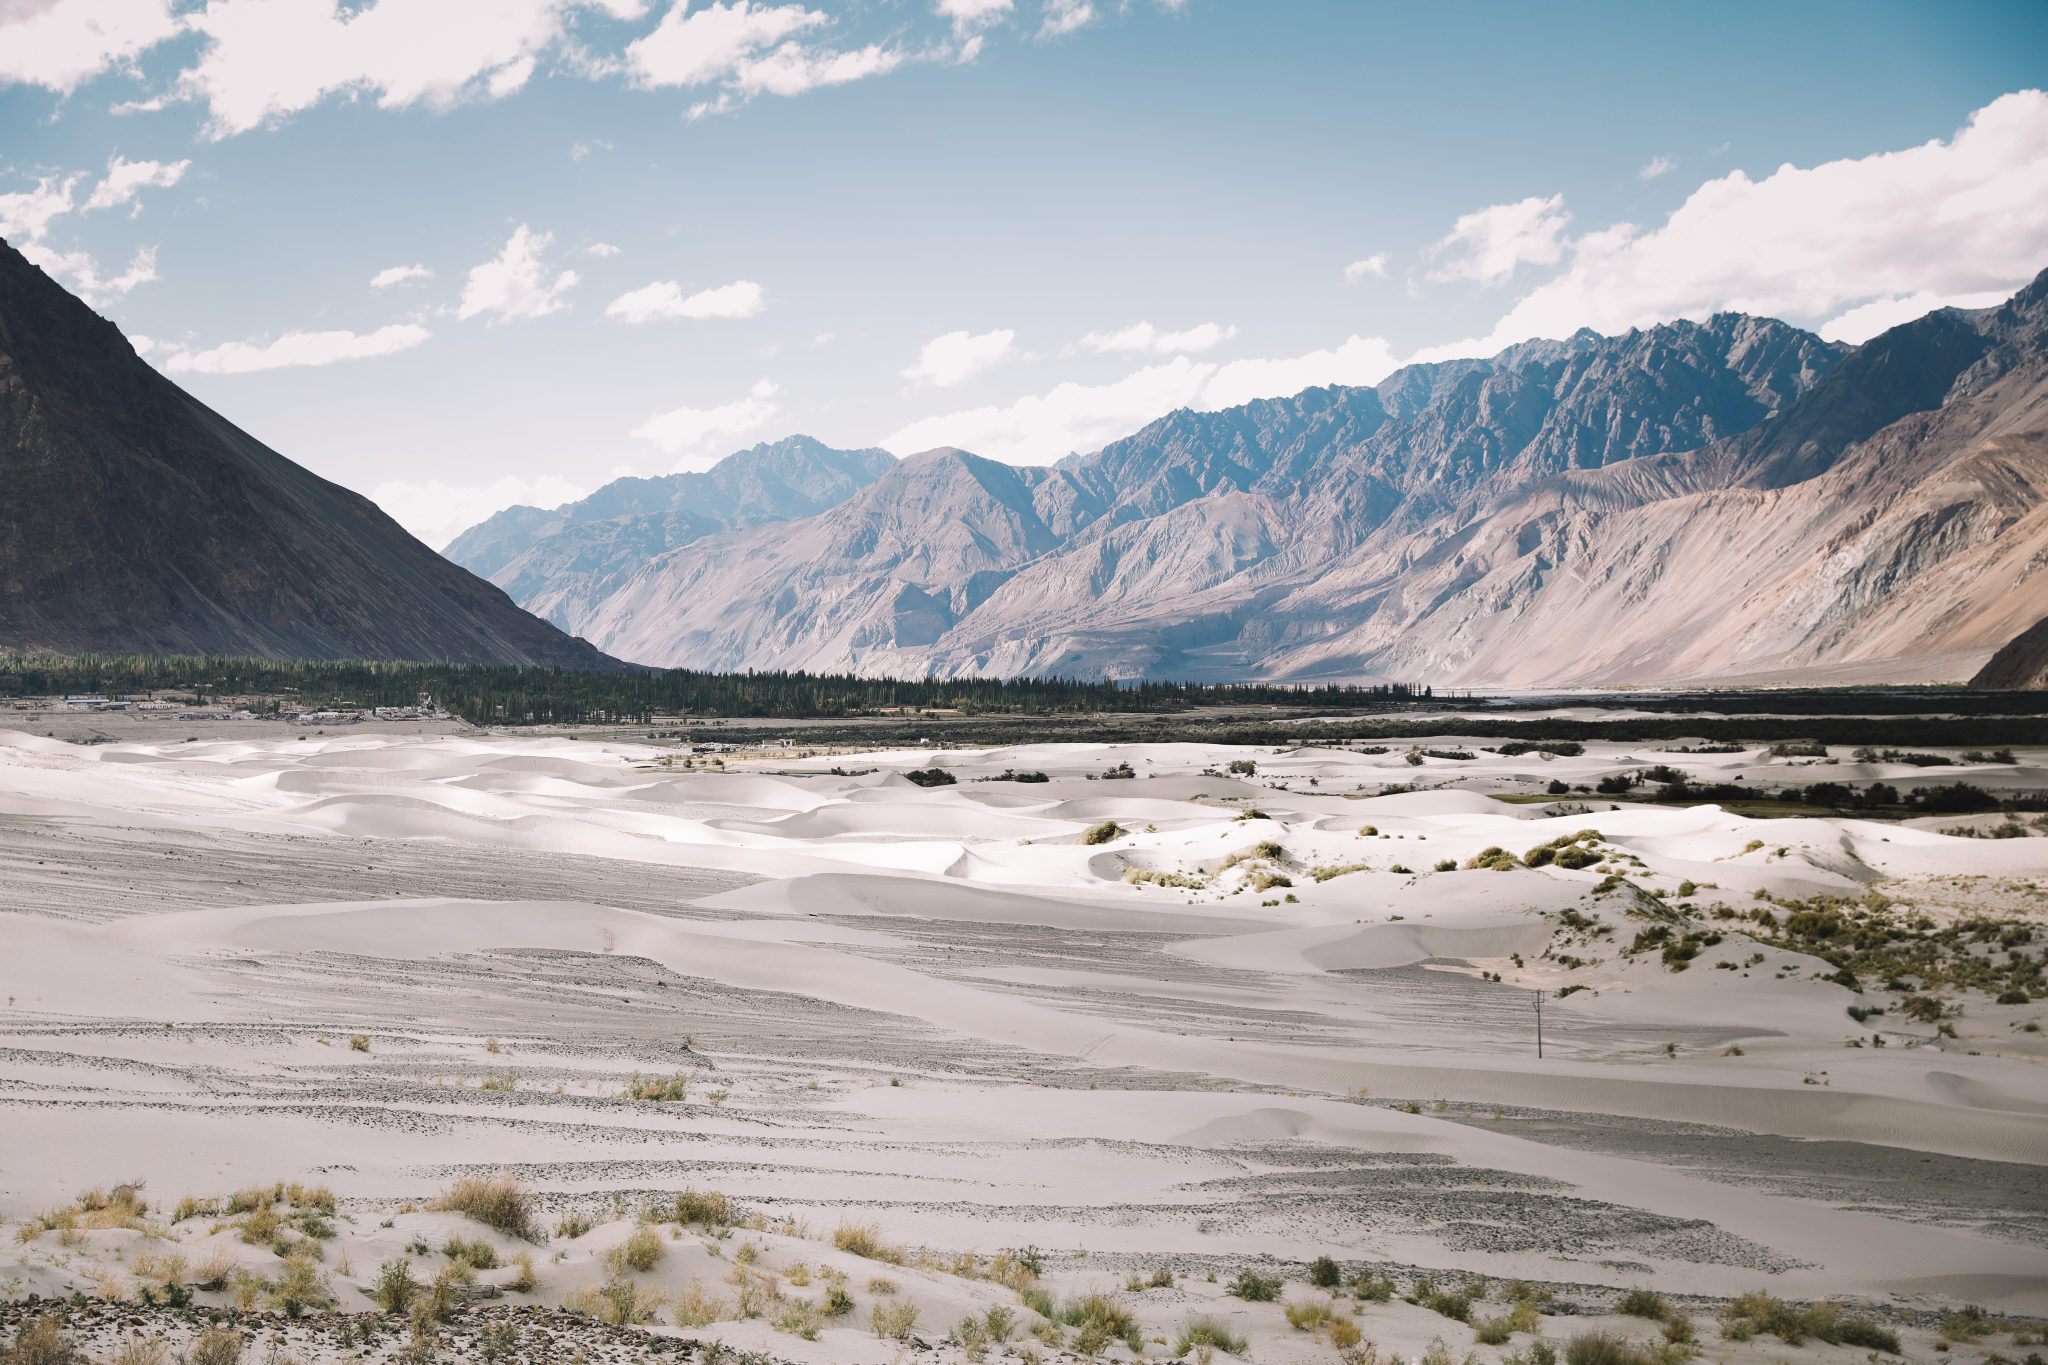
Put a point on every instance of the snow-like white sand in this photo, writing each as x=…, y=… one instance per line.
x=940, y=1010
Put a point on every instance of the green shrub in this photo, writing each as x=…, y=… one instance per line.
x=1598, y=1348
x=1253, y=1287
x=395, y=1286
x=708, y=1207
x=1102, y=833
x=1643, y=1303
x=1324, y=1273
x=1458, y=1306
x=1492, y=1331
x=931, y=777
x=1210, y=1332
x=479, y=1254
x=643, y=1248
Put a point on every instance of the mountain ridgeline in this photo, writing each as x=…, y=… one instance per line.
x=1729, y=499
x=137, y=520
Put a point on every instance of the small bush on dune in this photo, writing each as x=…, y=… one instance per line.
x=1211, y=1332
x=1310, y=1315
x=708, y=1207
x=659, y=1088
x=1253, y=1287
x=696, y=1308
x=501, y=1203
x=643, y=1249
x=480, y=1254
x=1103, y=833
x=1643, y=1303
x=359, y=1042
x=1599, y=1348
x=865, y=1239
x=931, y=777
x=896, y=1320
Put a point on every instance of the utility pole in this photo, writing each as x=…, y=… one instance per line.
x=1539, y=1026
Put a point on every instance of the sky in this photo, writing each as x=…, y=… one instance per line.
x=460, y=254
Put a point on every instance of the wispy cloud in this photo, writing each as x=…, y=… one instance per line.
x=655, y=302
x=297, y=348
x=63, y=44
x=1657, y=166
x=680, y=431
x=1486, y=246
x=399, y=274
x=1374, y=265
x=1143, y=337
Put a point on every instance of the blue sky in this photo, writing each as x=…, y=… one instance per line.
x=650, y=232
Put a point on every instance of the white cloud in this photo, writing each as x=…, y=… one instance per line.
x=27, y=214
x=1486, y=246
x=126, y=179
x=399, y=274
x=1042, y=428
x=1064, y=16
x=683, y=429
x=970, y=14
x=1657, y=166
x=1375, y=264
x=85, y=272
x=958, y=356
x=63, y=44
x=749, y=48
x=600, y=249
x=514, y=283
x=268, y=59
x=297, y=348
x=740, y=299
x=1944, y=221
x=438, y=512
x=1143, y=337
x=1860, y=324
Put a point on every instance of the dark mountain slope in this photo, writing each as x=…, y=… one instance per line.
x=135, y=519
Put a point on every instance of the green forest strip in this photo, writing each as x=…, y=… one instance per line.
x=487, y=695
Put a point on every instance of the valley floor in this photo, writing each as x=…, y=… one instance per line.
x=1173, y=1026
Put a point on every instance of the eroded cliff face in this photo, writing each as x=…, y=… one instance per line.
x=135, y=519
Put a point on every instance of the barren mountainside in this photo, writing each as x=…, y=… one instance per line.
x=138, y=520
x=1727, y=498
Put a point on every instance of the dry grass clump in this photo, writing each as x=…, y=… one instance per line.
x=1599, y=1348
x=696, y=1308
x=896, y=1320
x=215, y=1346
x=1314, y=1315
x=359, y=1042
x=1103, y=833
x=1145, y=876
x=659, y=1088
x=641, y=1250
x=479, y=1254
x=865, y=1239
x=42, y=1342
x=1325, y=873
x=213, y=1270
x=1643, y=1303
x=141, y=1351
x=708, y=1207
x=619, y=1302
x=507, y=1083
x=1758, y=1313
x=501, y=1203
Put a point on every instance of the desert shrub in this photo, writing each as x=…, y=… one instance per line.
x=259, y=1227
x=395, y=1286
x=800, y=1317
x=1211, y=1332
x=1038, y=1301
x=999, y=1323
x=1253, y=1287
x=523, y=1279
x=1458, y=1305
x=1492, y=1331
x=709, y=1207
x=359, y=1042
x=501, y=1203
x=1678, y=1329
x=658, y=1088
x=1012, y=775
x=141, y=1351
x=931, y=777
x=1324, y=1273
x=643, y=1249
x=1113, y=773
x=1563, y=748
x=1490, y=857
x=865, y=1239
x=1599, y=1348
x=1102, y=833
x=1243, y=767
x=480, y=1254
x=1344, y=1335
x=896, y=1320
x=1364, y=1286
x=1968, y=1323
x=1757, y=1313
x=1140, y=876
x=572, y=1225
x=299, y=1288
x=1643, y=1303
x=216, y=1346
x=1798, y=748
x=42, y=1342
x=1864, y=1333
x=1310, y=1315
x=1097, y=1308
x=1266, y=881
x=193, y=1207
x=696, y=1308
x=838, y=1303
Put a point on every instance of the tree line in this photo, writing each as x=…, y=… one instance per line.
x=487, y=694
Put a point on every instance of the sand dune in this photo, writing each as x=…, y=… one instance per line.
x=938, y=1009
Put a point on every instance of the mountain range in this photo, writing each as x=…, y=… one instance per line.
x=1736, y=498
x=137, y=520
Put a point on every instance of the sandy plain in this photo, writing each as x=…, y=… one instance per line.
x=939, y=1011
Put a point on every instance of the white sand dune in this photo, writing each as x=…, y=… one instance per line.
x=936, y=1008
